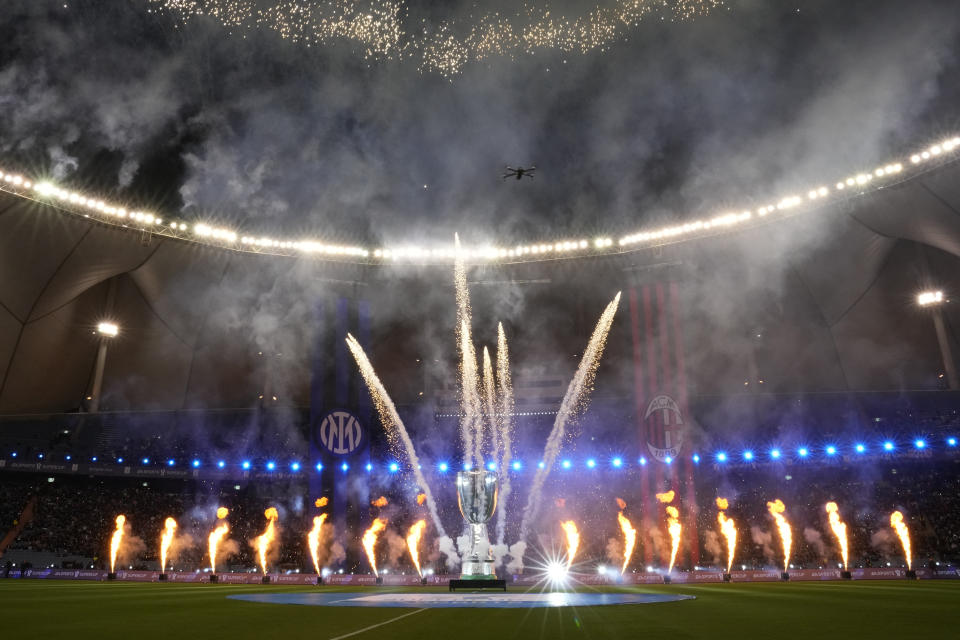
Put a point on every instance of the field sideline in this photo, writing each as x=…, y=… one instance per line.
x=137, y=611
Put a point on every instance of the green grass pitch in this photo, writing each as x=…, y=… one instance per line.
x=811, y=611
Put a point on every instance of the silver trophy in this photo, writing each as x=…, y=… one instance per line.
x=477, y=497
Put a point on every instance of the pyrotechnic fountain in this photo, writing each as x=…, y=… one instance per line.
x=505, y=424
x=573, y=540
x=115, y=541
x=213, y=542
x=896, y=521
x=370, y=541
x=166, y=539
x=776, y=509
x=413, y=543
x=840, y=531
x=673, y=527
x=265, y=539
x=729, y=530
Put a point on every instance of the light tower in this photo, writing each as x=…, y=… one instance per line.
x=106, y=331
x=934, y=300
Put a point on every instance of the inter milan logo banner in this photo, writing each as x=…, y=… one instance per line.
x=660, y=390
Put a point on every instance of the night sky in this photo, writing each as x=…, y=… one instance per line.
x=672, y=117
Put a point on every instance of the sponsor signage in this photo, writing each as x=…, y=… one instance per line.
x=350, y=579
x=138, y=576
x=294, y=578
x=754, y=576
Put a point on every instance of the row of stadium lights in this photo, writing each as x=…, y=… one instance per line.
x=721, y=457
x=228, y=238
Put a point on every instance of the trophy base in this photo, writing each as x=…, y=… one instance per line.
x=475, y=569
x=478, y=584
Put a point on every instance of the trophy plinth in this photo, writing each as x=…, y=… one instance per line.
x=477, y=498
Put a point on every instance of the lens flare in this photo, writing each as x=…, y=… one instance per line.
x=321, y=502
x=629, y=540
x=839, y=530
x=313, y=540
x=729, y=530
x=216, y=536
x=379, y=502
x=896, y=521
x=776, y=509
x=413, y=542
x=370, y=540
x=166, y=539
x=266, y=538
x=673, y=526
x=115, y=540
x=573, y=540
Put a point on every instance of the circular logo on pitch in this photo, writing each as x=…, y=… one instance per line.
x=340, y=432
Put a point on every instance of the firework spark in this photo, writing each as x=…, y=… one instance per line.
x=370, y=540
x=313, y=540
x=505, y=424
x=573, y=540
x=896, y=521
x=413, y=542
x=115, y=541
x=729, y=530
x=166, y=539
x=265, y=539
x=839, y=530
x=777, y=509
x=216, y=536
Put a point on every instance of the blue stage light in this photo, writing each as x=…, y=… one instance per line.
x=517, y=465
x=803, y=452
x=144, y=461
x=696, y=457
x=318, y=466
x=920, y=444
x=93, y=459
x=40, y=456
x=195, y=463
x=721, y=457
x=245, y=464
x=775, y=454
x=888, y=446
x=69, y=456
x=565, y=464
x=394, y=467
x=120, y=460
x=221, y=464
x=860, y=448
x=13, y=455
x=369, y=467
x=492, y=466
x=748, y=455
x=643, y=462
x=952, y=442
x=591, y=463
x=540, y=465
x=294, y=466
x=443, y=466
x=668, y=459
x=344, y=467
x=171, y=462
x=831, y=450
x=271, y=465
x=617, y=462
x=467, y=466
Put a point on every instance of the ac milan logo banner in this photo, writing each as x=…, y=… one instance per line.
x=660, y=379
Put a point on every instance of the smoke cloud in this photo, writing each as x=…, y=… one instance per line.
x=763, y=539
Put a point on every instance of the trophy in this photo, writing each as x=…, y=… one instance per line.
x=477, y=497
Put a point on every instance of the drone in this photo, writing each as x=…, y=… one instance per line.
x=519, y=173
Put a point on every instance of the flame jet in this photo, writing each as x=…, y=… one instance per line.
x=573, y=540
x=839, y=530
x=313, y=540
x=370, y=540
x=896, y=521
x=629, y=539
x=216, y=536
x=115, y=540
x=166, y=539
x=729, y=530
x=776, y=509
x=673, y=525
x=266, y=538
x=413, y=542
x=321, y=502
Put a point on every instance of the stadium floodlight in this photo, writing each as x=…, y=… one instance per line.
x=443, y=467
x=617, y=462
x=775, y=454
x=516, y=465
x=888, y=446
x=108, y=329
x=721, y=457
x=591, y=463
x=919, y=443
x=926, y=298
